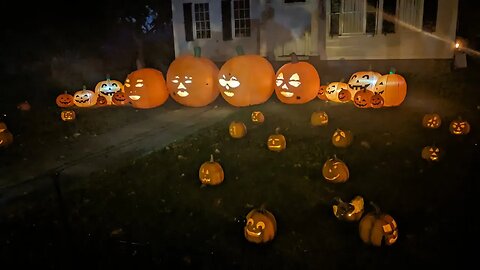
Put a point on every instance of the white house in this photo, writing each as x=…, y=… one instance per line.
x=325, y=29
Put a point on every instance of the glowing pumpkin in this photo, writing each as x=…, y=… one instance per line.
x=260, y=227
x=351, y=211
x=322, y=93
x=342, y=138
x=431, y=120
x=246, y=80
x=319, y=118
x=257, y=117
x=68, y=115
x=192, y=80
x=377, y=228
x=333, y=89
x=297, y=82
x=459, y=127
x=6, y=137
x=107, y=88
x=363, y=99
x=101, y=101
x=335, y=170
x=393, y=89
x=146, y=88
x=85, y=98
x=120, y=99
x=345, y=95
x=237, y=129
x=211, y=172
x=363, y=80
x=431, y=153
x=376, y=101
x=64, y=100
x=276, y=142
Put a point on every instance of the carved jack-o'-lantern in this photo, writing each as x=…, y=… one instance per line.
x=322, y=92
x=319, y=118
x=345, y=95
x=431, y=153
x=237, y=129
x=363, y=80
x=120, y=98
x=342, y=138
x=377, y=228
x=335, y=170
x=64, y=100
x=257, y=117
x=6, y=137
x=101, y=101
x=393, y=89
x=260, y=227
x=431, y=120
x=297, y=82
x=459, y=127
x=211, y=172
x=146, y=88
x=107, y=88
x=85, y=98
x=351, y=211
x=276, y=142
x=246, y=80
x=192, y=80
x=333, y=89
x=68, y=115
x=376, y=101
x=363, y=98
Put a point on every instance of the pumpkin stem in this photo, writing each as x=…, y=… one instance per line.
x=377, y=209
x=197, y=51
x=342, y=80
x=240, y=50
x=370, y=67
x=392, y=70
x=294, y=58
x=107, y=77
x=84, y=87
x=211, y=157
x=277, y=130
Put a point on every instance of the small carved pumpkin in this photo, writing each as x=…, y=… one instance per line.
x=258, y=117
x=192, y=80
x=211, y=172
x=344, y=95
x=335, y=170
x=459, y=127
x=377, y=228
x=342, y=138
x=85, y=98
x=297, y=82
x=431, y=120
x=322, y=93
x=319, y=118
x=64, y=100
x=260, y=226
x=362, y=99
x=120, y=99
x=237, y=129
x=107, y=88
x=276, y=142
x=146, y=88
x=333, y=89
x=351, y=211
x=431, y=153
x=6, y=137
x=393, y=89
x=376, y=101
x=102, y=101
x=246, y=79
x=68, y=115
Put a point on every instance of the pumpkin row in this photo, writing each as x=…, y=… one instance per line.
x=243, y=80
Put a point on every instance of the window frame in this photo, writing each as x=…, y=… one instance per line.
x=207, y=31
x=249, y=19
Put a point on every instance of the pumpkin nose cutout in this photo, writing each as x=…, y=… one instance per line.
x=284, y=86
x=181, y=86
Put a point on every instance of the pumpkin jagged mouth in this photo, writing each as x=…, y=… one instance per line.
x=287, y=94
x=253, y=233
x=359, y=87
x=65, y=102
x=107, y=93
x=205, y=180
x=377, y=103
x=228, y=93
x=361, y=105
x=82, y=101
x=182, y=93
x=134, y=97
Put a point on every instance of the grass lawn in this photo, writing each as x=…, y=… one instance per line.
x=154, y=212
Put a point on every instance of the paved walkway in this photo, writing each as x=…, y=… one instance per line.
x=115, y=147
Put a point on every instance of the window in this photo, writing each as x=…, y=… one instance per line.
x=430, y=9
x=353, y=16
x=202, y=20
x=241, y=17
x=410, y=13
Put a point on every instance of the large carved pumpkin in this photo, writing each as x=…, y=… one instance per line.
x=146, y=88
x=246, y=80
x=85, y=98
x=260, y=227
x=107, y=88
x=377, y=228
x=211, y=173
x=297, y=82
x=192, y=80
x=393, y=89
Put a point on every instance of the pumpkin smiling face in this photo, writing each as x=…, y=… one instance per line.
x=119, y=99
x=322, y=93
x=191, y=80
x=64, y=100
x=257, y=117
x=393, y=89
x=333, y=89
x=376, y=101
x=108, y=88
x=260, y=227
x=363, y=80
x=146, y=88
x=246, y=80
x=276, y=142
x=102, y=101
x=459, y=127
x=362, y=99
x=335, y=171
x=84, y=98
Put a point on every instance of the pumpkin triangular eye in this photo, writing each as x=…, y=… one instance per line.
x=381, y=83
x=437, y=150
